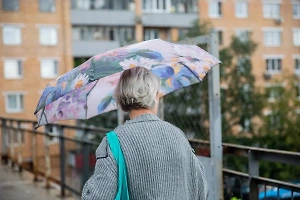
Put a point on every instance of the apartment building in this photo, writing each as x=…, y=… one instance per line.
x=38, y=43
x=100, y=25
x=274, y=25
x=35, y=49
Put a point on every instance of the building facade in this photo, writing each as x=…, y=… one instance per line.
x=35, y=49
x=40, y=37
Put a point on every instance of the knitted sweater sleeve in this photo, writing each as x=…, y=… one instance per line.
x=103, y=183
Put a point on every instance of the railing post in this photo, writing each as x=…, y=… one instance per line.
x=4, y=145
x=86, y=158
x=62, y=160
x=253, y=165
x=34, y=152
x=47, y=158
x=215, y=123
x=19, y=137
x=11, y=141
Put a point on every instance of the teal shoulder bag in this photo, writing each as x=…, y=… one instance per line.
x=114, y=144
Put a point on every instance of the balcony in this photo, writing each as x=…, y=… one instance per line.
x=103, y=17
x=90, y=48
x=152, y=19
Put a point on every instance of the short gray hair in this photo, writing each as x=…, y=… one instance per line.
x=136, y=89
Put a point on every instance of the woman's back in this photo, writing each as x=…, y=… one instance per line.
x=160, y=162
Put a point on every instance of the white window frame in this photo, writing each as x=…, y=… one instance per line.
x=219, y=13
x=298, y=88
x=271, y=39
x=266, y=15
x=17, y=28
x=244, y=12
x=19, y=108
x=54, y=132
x=297, y=4
x=243, y=34
x=297, y=67
x=149, y=34
x=153, y=7
x=56, y=68
x=274, y=57
x=296, y=37
x=48, y=42
x=19, y=69
x=270, y=85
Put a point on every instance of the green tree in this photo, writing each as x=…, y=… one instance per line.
x=281, y=127
x=187, y=108
x=241, y=100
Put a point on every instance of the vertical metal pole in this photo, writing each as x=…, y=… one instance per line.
x=20, y=159
x=34, y=153
x=160, y=112
x=4, y=136
x=253, y=167
x=86, y=160
x=120, y=117
x=62, y=160
x=47, y=158
x=11, y=145
x=215, y=120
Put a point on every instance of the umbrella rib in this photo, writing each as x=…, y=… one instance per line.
x=192, y=71
x=87, y=98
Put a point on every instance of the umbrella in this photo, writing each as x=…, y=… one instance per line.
x=87, y=90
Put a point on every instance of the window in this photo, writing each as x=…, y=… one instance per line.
x=297, y=66
x=296, y=37
x=103, y=4
x=296, y=10
x=243, y=35
x=241, y=9
x=49, y=68
x=92, y=33
x=151, y=34
x=215, y=9
x=53, y=131
x=48, y=36
x=298, y=91
x=47, y=5
x=242, y=65
x=245, y=124
x=189, y=6
x=157, y=5
x=272, y=38
x=10, y=5
x=14, y=102
x=274, y=121
x=11, y=35
x=274, y=92
x=13, y=69
x=220, y=37
x=271, y=10
x=273, y=65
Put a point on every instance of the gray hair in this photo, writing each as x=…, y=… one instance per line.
x=136, y=89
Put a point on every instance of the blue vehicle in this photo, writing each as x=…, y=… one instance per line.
x=273, y=193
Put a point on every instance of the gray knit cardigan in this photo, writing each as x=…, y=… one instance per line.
x=160, y=164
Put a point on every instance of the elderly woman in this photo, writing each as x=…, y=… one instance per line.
x=159, y=159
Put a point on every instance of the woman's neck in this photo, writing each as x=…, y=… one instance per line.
x=135, y=113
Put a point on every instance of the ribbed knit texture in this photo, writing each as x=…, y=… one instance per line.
x=160, y=164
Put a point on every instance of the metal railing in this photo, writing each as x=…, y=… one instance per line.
x=59, y=155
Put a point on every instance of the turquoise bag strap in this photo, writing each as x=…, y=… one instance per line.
x=116, y=150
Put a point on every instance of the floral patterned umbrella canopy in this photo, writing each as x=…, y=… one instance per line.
x=87, y=90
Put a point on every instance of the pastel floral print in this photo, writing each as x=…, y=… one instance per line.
x=87, y=90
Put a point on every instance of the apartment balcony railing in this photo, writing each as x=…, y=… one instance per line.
x=60, y=155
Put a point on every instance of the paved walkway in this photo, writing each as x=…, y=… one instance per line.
x=19, y=186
